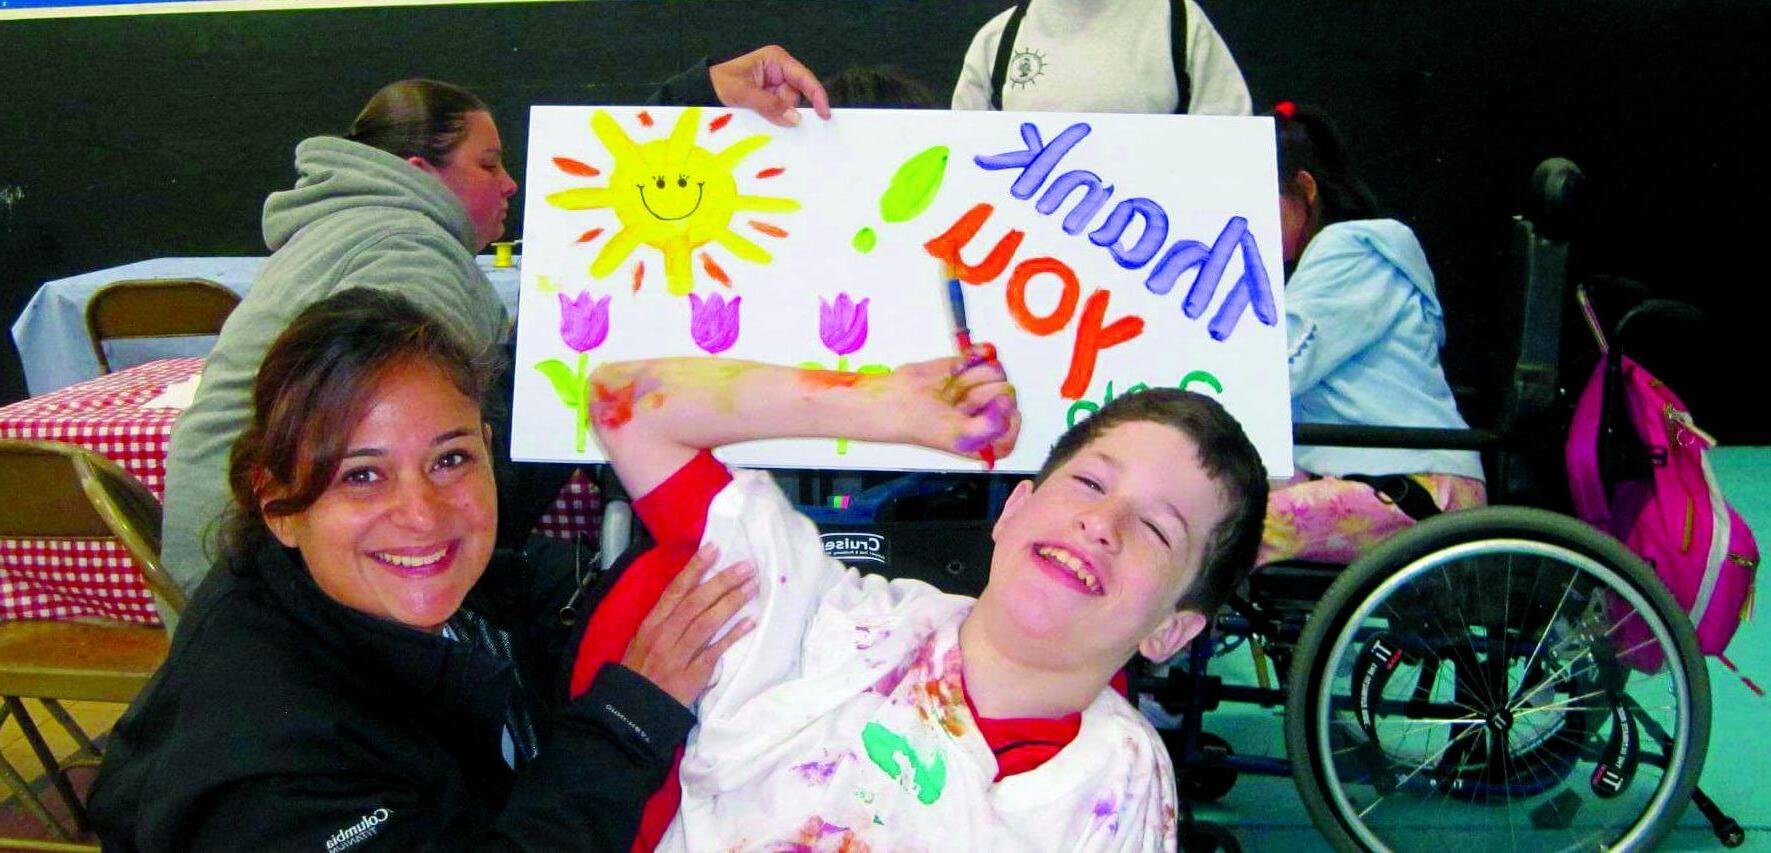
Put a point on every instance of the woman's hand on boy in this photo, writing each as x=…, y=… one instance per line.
x=675, y=646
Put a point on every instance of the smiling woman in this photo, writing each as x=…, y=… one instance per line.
x=368, y=454
x=362, y=665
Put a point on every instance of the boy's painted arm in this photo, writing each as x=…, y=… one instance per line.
x=653, y=416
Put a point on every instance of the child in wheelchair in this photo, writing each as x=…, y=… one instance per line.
x=862, y=712
x=1364, y=328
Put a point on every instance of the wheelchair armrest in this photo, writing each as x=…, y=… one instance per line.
x=1404, y=438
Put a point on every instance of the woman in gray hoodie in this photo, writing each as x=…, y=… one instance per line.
x=402, y=202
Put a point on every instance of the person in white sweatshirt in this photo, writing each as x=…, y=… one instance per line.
x=1109, y=56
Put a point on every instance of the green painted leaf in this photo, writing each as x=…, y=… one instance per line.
x=566, y=383
x=914, y=185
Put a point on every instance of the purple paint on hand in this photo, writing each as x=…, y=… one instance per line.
x=995, y=415
x=713, y=322
x=584, y=322
x=842, y=325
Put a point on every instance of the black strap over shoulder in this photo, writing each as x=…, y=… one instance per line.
x=1177, y=45
x=1005, y=49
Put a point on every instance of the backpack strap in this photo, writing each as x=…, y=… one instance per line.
x=1005, y=50
x=1177, y=45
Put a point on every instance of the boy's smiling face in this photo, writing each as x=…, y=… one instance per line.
x=1090, y=565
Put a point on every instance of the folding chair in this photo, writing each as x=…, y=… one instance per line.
x=155, y=308
x=56, y=491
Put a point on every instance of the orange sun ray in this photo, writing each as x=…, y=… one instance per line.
x=714, y=271
x=574, y=167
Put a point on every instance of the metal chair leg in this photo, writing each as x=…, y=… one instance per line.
x=50, y=764
x=21, y=788
x=70, y=726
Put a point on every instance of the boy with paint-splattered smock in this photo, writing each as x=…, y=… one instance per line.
x=841, y=723
x=849, y=718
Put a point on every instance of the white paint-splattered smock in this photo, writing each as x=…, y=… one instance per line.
x=840, y=723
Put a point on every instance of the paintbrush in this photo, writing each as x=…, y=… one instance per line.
x=962, y=334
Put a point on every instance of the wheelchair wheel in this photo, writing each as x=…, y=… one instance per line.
x=1507, y=677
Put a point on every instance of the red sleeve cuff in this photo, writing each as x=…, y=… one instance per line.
x=676, y=511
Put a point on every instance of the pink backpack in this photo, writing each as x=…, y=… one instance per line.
x=1675, y=517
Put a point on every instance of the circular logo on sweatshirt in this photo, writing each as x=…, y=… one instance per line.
x=1025, y=67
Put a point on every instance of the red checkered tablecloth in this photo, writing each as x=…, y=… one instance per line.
x=42, y=579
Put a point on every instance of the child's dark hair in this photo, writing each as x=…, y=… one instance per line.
x=1309, y=142
x=879, y=86
x=313, y=387
x=416, y=118
x=1228, y=458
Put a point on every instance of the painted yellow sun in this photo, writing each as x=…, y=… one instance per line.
x=674, y=196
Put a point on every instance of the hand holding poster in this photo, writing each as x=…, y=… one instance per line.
x=1099, y=253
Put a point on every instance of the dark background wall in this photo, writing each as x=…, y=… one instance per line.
x=136, y=137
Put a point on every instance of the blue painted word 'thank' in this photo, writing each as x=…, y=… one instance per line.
x=1252, y=290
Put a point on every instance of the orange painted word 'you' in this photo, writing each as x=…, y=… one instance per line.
x=1093, y=332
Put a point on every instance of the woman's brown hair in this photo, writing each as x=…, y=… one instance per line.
x=416, y=118
x=314, y=385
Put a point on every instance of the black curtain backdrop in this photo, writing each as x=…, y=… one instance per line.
x=128, y=138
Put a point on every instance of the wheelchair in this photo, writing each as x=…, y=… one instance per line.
x=1506, y=676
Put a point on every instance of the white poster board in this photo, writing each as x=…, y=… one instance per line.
x=1148, y=254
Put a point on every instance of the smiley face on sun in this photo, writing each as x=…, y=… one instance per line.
x=672, y=195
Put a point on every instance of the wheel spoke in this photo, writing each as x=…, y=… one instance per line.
x=1538, y=646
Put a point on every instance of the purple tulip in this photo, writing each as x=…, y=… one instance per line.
x=842, y=326
x=584, y=322
x=713, y=322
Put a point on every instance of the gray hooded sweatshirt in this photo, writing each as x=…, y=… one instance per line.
x=358, y=217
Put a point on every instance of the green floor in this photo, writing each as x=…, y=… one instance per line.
x=1266, y=814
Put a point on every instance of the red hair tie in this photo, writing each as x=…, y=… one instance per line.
x=1285, y=110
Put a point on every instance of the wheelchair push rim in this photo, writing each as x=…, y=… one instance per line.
x=1499, y=688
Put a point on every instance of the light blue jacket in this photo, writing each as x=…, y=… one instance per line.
x=1364, y=329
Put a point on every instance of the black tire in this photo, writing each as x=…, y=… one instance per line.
x=1385, y=580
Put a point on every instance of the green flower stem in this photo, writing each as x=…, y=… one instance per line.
x=582, y=432
x=842, y=444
